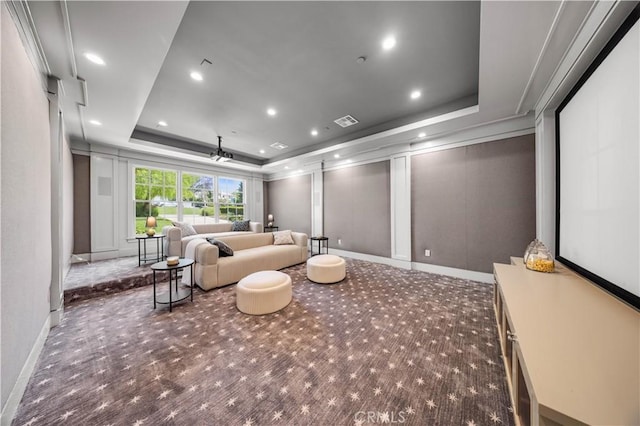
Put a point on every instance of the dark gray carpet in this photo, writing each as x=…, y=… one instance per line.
x=384, y=345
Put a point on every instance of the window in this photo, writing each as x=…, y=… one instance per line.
x=171, y=195
x=197, y=198
x=155, y=195
x=230, y=199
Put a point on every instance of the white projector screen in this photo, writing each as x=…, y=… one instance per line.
x=598, y=229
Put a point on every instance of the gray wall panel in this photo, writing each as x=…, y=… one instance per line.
x=475, y=205
x=81, y=204
x=289, y=200
x=357, y=208
x=438, y=195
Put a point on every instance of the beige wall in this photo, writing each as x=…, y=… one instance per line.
x=475, y=205
x=289, y=200
x=357, y=208
x=81, y=204
x=25, y=172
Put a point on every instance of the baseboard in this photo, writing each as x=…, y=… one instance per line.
x=424, y=267
x=113, y=254
x=13, y=401
x=453, y=272
x=372, y=258
x=80, y=258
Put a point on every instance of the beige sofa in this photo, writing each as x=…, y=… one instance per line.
x=175, y=243
x=251, y=253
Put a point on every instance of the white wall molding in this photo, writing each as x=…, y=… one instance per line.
x=546, y=180
x=489, y=132
x=104, y=202
x=400, y=184
x=423, y=267
x=465, y=274
x=317, y=203
x=13, y=401
x=600, y=24
x=541, y=54
x=21, y=15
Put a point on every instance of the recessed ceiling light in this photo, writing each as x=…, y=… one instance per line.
x=94, y=58
x=389, y=42
x=262, y=151
x=336, y=155
x=286, y=167
x=422, y=135
x=314, y=132
x=416, y=94
x=196, y=76
x=162, y=123
x=299, y=171
x=95, y=122
x=271, y=111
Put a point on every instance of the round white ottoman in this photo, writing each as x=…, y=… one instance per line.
x=326, y=269
x=263, y=292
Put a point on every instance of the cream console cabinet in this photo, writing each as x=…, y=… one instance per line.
x=571, y=350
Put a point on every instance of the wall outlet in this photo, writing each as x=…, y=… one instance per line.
x=427, y=253
x=339, y=241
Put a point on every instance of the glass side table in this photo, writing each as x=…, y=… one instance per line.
x=142, y=248
x=270, y=228
x=175, y=294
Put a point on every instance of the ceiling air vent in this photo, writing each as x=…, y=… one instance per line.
x=278, y=145
x=346, y=121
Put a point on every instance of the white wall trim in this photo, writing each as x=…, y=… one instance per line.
x=21, y=15
x=371, y=258
x=465, y=274
x=400, y=176
x=541, y=54
x=122, y=252
x=13, y=401
x=80, y=258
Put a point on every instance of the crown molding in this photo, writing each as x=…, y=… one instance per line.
x=21, y=16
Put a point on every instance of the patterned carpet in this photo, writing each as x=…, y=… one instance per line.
x=385, y=345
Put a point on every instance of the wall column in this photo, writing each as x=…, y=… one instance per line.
x=56, y=137
x=546, y=180
x=317, y=201
x=401, y=208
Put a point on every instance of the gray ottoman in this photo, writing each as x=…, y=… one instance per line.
x=263, y=292
x=326, y=269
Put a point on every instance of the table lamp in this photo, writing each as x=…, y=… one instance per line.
x=270, y=220
x=150, y=225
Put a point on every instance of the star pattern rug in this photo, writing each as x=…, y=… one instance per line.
x=385, y=345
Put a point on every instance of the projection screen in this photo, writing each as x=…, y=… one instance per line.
x=598, y=139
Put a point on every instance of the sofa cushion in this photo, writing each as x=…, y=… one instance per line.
x=282, y=238
x=224, y=249
x=242, y=225
x=186, y=228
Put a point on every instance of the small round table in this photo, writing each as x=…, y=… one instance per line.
x=142, y=242
x=322, y=241
x=179, y=294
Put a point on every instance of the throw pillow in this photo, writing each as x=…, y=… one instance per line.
x=241, y=226
x=282, y=238
x=186, y=228
x=223, y=249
